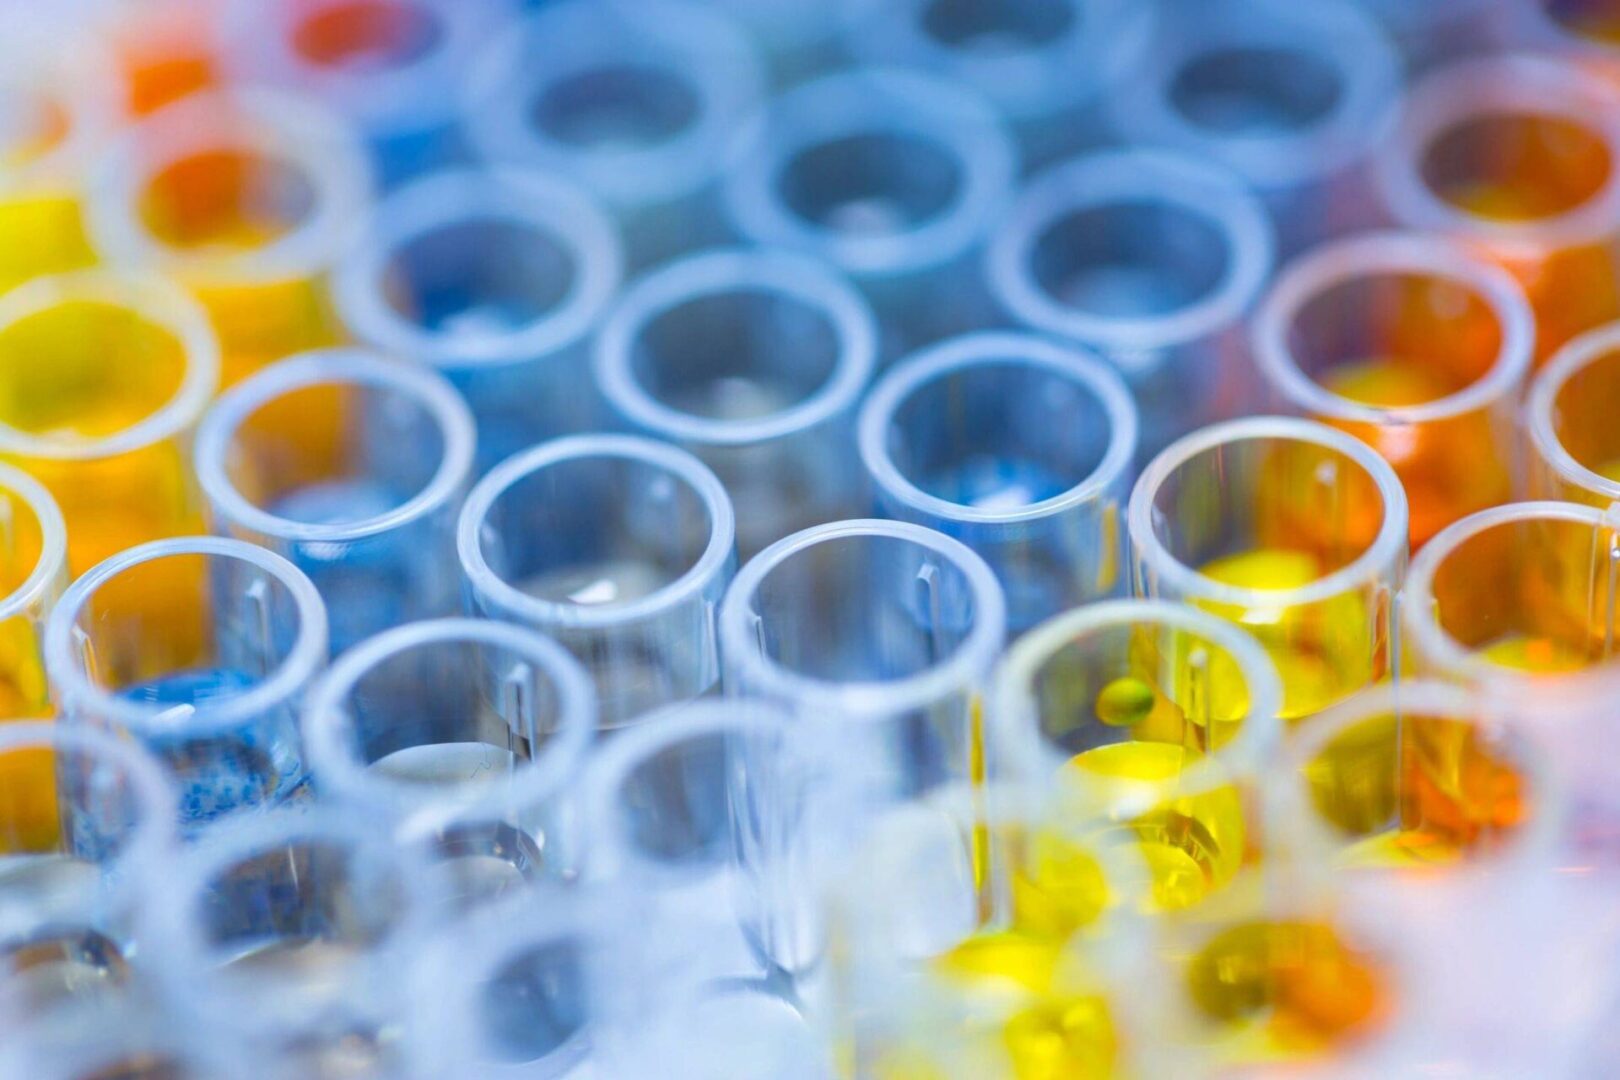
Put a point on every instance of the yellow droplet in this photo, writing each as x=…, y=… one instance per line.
x=1125, y=701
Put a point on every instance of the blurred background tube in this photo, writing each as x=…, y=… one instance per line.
x=1429, y=32
x=161, y=50
x=1580, y=32
x=895, y=178
x=365, y=505
x=1291, y=97
x=754, y=362
x=636, y=103
x=1416, y=347
x=1152, y=259
x=200, y=649
x=497, y=279
x=1570, y=415
x=33, y=573
x=1517, y=157
x=616, y=546
x=1018, y=447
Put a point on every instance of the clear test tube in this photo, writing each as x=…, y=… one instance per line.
x=1429, y=32
x=161, y=50
x=394, y=68
x=125, y=1035
x=364, y=504
x=1293, y=98
x=466, y=736
x=1575, y=443
x=245, y=197
x=1578, y=31
x=799, y=40
x=103, y=376
x=634, y=102
x=497, y=279
x=33, y=573
x=616, y=546
x=1018, y=447
x=1045, y=67
x=1416, y=347
x=200, y=649
x=895, y=178
x=753, y=360
x=1516, y=156
x=1152, y=259
x=1290, y=529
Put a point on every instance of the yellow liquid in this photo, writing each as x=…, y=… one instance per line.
x=41, y=233
x=1533, y=655
x=1387, y=383
x=1609, y=470
x=29, y=818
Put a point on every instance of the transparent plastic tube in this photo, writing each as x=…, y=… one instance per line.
x=1289, y=528
x=394, y=68
x=33, y=573
x=497, y=279
x=246, y=198
x=1291, y=97
x=122, y=1034
x=754, y=362
x=103, y=376
x=1431, y=31
x=1578, y=31
x=365, y=505
x=1019, y=448
x=162, y=50
x=1518, y=157
x=1153, y=260
x=636, y=103
x=799, y=39
x=1044, y=66
x=1415, y=347
x=892, y=177
x=1575, y=441
x=200, y=649
x=619, y=548
x=467, y=736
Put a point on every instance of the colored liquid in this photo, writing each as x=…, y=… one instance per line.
x=1533, y=655
x=1609, y=470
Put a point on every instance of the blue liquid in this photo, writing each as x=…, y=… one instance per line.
x=999, y=483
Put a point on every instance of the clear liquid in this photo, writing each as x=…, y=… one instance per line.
x=616, y=581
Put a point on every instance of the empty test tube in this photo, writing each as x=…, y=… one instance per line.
x=754, y=362
x=1153, y=259
x=353, y=467
x=497, y=279
x=1018, y=447
x=244, y=197
x=616, y=546
x=895, y=178
x=1414, y=346
x=103, y=377
x=464, y=735
x=200, y=649
x=1575, y=440
x=33, y=573
x=1291, y=529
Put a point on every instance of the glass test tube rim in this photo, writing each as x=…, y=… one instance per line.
x=989, y=349
x=1104, y=178
x=717, y=55
x=1511, y=84
x=878, y=101
x=672, y=460
x=154, y=299
x=1542, y=401
x=552, y=206
x=269, y=124
x=348, y=367
x=1346, y=39
x=1388, y=547
x=785, y=26
x=77, y=692
x=732, y=272
x=967, y=665
x=337, y=768
x=51, y=568
x=1370, y=256
x=76, y=76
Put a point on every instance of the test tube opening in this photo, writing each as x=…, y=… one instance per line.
x=226, y=199
x=872, y=184
x=367, y=35
x=1131, y=258
x=1239, y=91
x=1517, y=166
x=998, y=27
x=616, y=107
x=535, y=1004
x=479, y=277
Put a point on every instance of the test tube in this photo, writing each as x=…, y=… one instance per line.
x=103, y=375
x=497, y=279
x=200, y=649
x=799, y=39
x=616, y=546
x=33, y=573
x=636, y=103
x=1016, y=446
x=1575, y=442
x=1290, y=529
x=1414, y=346
x=123, y=1035
x=362, y=495
x=394, y=68
x=246, y=197
x=1515, y=156
x=753, y=361
x=1152, y=259
x=1578, y=31
x=466, y=735
x=1045, y=67
x=1429, y=32
x=894, y=178
x=162, y=50
x=1293, y=98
